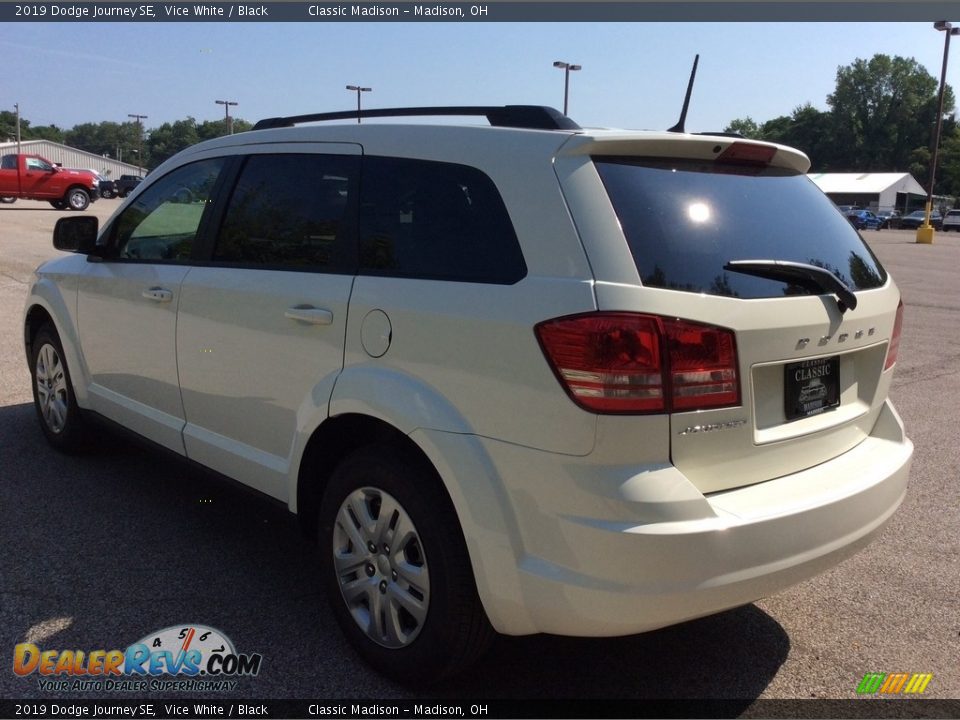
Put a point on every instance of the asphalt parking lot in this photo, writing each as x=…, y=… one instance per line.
x=98, y=551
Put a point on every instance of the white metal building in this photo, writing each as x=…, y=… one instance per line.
x=70, y=157
x=874, y=191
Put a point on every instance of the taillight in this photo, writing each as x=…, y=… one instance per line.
x=630, y=363
x=894, y=347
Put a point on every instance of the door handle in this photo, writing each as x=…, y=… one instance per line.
x=309, y=314
x=158, y=294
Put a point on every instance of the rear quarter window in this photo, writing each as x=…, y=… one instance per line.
x=435, y=220
x=685, y=220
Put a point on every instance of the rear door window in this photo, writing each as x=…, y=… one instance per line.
x=289, y=211
x=685, y=220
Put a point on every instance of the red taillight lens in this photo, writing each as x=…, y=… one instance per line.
x=632, y=363
x=703, y=366
x=894, y=347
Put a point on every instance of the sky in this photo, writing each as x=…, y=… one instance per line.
x=634, y=74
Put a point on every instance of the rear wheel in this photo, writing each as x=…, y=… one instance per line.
x=60, y=416
x=396, y=568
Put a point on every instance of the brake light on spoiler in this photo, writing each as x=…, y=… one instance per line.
x=619, y=362
x=742, y=153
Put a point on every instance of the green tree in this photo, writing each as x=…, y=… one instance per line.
x=47, y=132
x=169, y=139
x=883, y=110
x=209, y=129
x=744, y=126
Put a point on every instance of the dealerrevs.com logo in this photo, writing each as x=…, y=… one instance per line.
x=181, y=657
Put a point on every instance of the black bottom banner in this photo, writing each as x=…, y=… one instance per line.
x=495, y=709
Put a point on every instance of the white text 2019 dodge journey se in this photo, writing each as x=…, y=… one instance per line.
x=517, y=378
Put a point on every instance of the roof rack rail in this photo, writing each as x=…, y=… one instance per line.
x=533, y=117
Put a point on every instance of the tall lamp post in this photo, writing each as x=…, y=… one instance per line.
x=17, y=108
x=925, y=231
x=226, y=113
x=567, y=69
x=139, y=119
x=358, y=90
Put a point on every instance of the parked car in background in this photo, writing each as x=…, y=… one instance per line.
x=32, y=177
x=108, y=188
x=915, y=220
x=890, y=219
x=863, y=220
x=126, y=183
x=951, y=221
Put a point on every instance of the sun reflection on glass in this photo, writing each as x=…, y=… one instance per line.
x=698, y=212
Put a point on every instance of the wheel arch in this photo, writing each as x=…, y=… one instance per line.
x=333, y=441
x=47, y=304
x=467, y=477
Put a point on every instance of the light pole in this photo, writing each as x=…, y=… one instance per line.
x=358, y=90
x=567, y=69
x=925, y=231
x=226, y=113
x=17, y=108
x=139, y=119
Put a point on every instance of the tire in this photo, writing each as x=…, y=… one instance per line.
x=8, y=200
x=106, y=194
x=410, y=610
x=60, y=417
x=77, y=199
x=59, y=204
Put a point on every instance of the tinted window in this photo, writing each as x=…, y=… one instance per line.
x=162, y=222
x=9, y=162
x=684, y=220
x=435, y=220
x=287, y=211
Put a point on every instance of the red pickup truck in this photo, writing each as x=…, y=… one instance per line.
x=35, y=178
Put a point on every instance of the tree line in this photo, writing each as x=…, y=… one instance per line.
x=122, y=141
x=880, y=118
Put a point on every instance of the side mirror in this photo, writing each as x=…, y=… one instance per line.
x=76, y=234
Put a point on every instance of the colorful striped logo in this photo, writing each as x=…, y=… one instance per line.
x=894, y=683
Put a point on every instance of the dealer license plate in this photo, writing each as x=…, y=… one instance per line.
x=811, y=387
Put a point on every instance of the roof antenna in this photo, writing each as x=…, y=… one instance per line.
x=678, y=128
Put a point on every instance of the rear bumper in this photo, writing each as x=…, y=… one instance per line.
x=609, y=552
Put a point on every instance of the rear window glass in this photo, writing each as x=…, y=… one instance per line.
x=684, y=220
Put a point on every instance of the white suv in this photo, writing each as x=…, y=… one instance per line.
x=525, y=378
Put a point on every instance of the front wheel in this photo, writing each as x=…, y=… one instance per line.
x=396, y=568
x=77, y=199
x=53, y=398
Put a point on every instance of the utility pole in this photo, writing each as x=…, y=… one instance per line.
x=139, y=119
x=226, y=113
x=358, y=90
x=17, y=107
x=567, y=69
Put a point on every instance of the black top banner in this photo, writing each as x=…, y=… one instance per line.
x=494, y=11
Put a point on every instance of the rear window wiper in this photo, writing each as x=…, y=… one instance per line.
x=810, y=277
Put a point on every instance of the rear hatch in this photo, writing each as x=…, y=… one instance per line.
x=774, y=317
